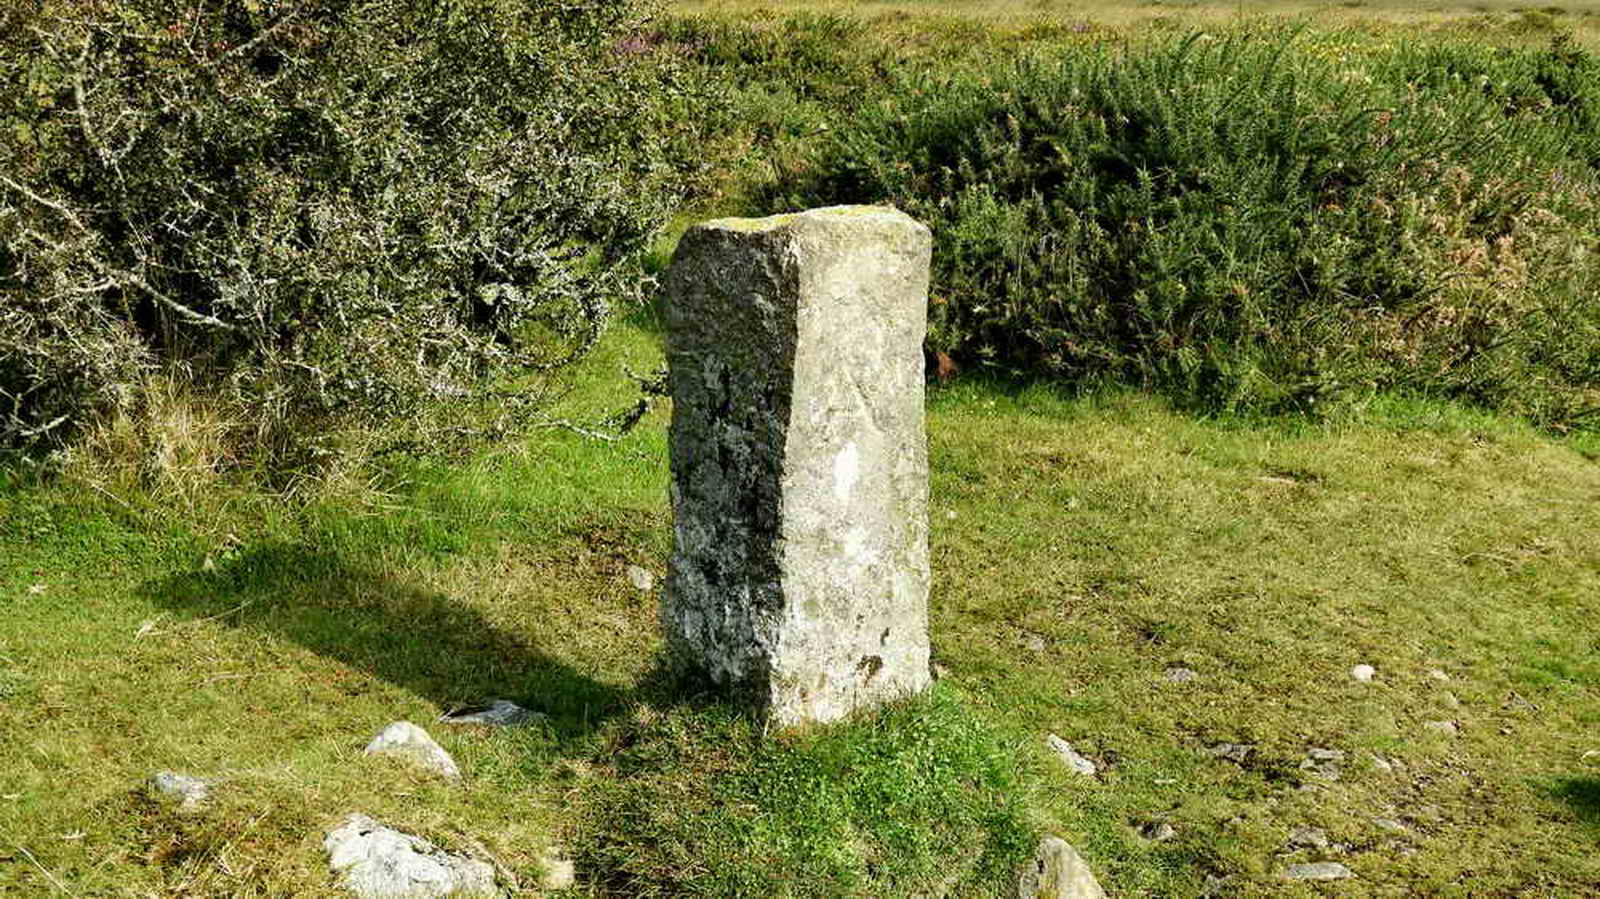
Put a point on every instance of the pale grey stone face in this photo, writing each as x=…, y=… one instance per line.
x=799, y=458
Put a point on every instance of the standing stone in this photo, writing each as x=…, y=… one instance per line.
x=1058, y=872
x=799, y=459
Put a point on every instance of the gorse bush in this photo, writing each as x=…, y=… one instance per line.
x=328, y=212
x=1247, y=226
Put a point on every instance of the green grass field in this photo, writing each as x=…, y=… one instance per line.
x=159, y=615
x=1081, y=549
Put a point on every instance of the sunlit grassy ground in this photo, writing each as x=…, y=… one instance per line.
x=1080, y=547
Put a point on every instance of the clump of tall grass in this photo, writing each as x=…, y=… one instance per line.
x=1246, y=225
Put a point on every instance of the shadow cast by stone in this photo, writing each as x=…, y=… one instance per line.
x=1583, y=795
x=419, y=639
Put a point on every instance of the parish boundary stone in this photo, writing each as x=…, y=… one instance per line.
x=799, y=458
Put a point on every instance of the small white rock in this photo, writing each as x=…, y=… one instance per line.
x=1390, y=824
x=1182, y=675
x=190, y=793
x=1308, y=838
x=1448, y=728
x=641, y=578
x=1066, y=753
x=1438, y=675
x=1363, y=673
x=408, y=741
x=559, y=871
x=1058, y=872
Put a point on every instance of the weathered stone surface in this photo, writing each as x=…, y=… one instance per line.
x=497, y=713
x=799, y=458
x=1363, y=673
x=403, y=739
x=1318, y=871
x=1058, y=872
x=377, y=862
x=1069, y=756
x=190, y=793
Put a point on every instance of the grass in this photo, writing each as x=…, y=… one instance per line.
x=1081, y=547
x=159, y=616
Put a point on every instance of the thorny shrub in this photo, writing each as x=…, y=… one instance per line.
x=329, y=212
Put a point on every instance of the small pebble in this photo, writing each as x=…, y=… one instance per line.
x=1390, y=824
x=1157, y=831
x=1438, y=675
x=1363, y=673
x=1381, y=763
x=1235, y=752
x=1448, y=728
x=641, y=578
x=1182, y=675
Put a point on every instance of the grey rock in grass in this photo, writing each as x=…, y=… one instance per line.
x=1323, y=763
x=1070, y=756
x=1318, y=871
x=405, y=740
x=1233, y=752
x=377, y=862
x=641, y=578
x=1058, y=872
x=1438, y=675
x=190, y=793
x=1308, y=838
x=1182, y=675
x=1448, y=728
x=497, y=713
x=1363, y=673
x=1391, y=824
x=1157, y=831
x=799, y=573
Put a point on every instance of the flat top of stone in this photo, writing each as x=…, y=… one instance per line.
x=823, y=215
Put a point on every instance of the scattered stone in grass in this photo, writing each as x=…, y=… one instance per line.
x=641, y=578
x=1363, y=673
x=1058, y=872
x=408, y=741
x=1034, y=642
x=1450, y=701
x=1182, y=675
x=559, y=871
x=190, y=793
x=1308, y=838
x=1323, y=763
x=36, y=589
x=1216, y=886
x=940, y=672
x=1066, y=753
x=374, y=861
x=1391, y=824
x=1157, y=830
x=1438, y=675
x=1233, y=752
x=497, y=713
x=1381, y=763
x=1448, y=728
x=1318, y=871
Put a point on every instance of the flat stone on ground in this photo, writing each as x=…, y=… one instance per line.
x=1070, y=756
x=377, y=862
x=1318, y=871
x=497, y=713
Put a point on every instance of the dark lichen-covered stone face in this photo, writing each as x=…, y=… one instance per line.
x=799, y=458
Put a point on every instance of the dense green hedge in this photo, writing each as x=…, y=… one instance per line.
x=1259, y=221
x=326, y=211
